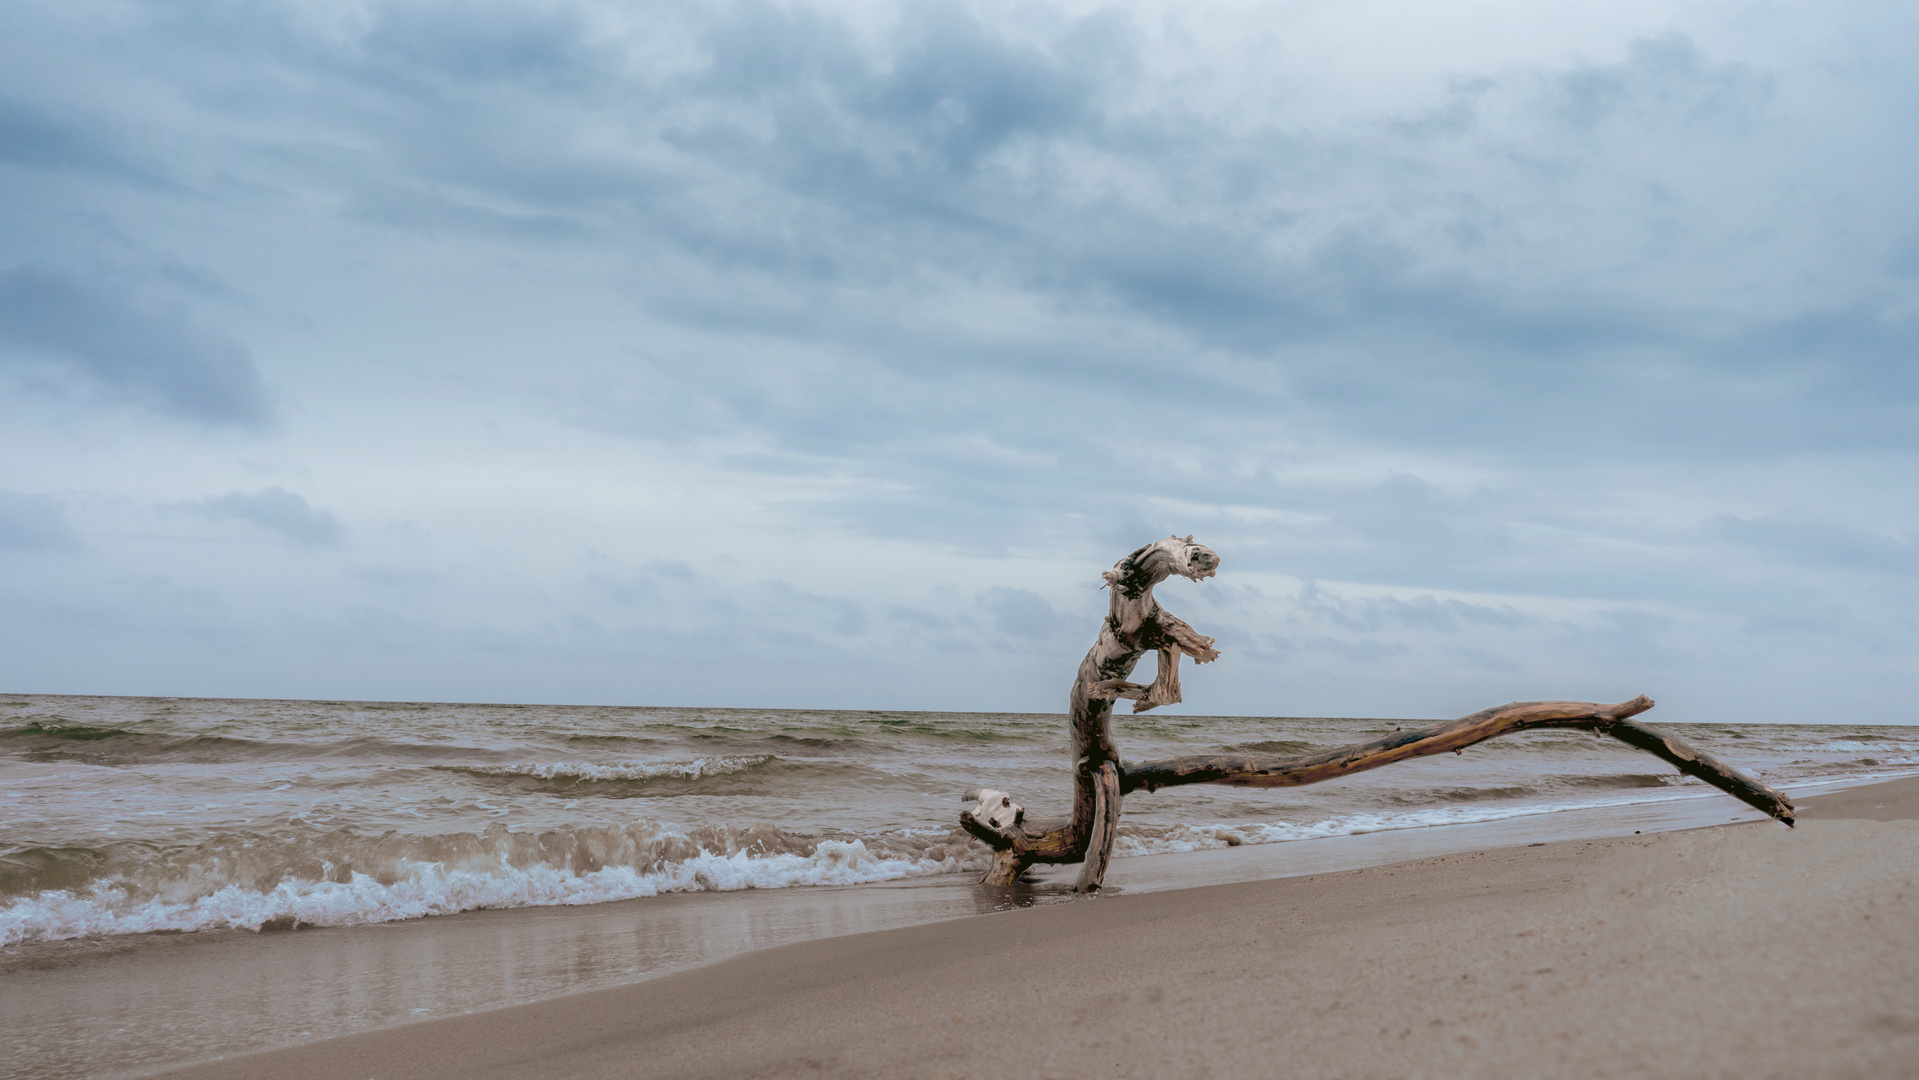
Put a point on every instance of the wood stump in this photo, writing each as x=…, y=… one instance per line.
x=1136, y=624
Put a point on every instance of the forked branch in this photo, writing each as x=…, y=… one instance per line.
x=1136, y=624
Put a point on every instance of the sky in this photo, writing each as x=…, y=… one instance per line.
x=821, y=355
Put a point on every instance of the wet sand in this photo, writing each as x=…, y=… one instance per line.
x=1747, y=950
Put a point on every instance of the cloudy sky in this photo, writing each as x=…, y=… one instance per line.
x=821, y=355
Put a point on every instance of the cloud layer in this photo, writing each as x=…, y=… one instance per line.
x=76, y=333
x=820, y=354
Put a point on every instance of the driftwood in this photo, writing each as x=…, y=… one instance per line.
x=1136, y=624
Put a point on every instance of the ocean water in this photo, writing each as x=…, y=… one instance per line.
x=137, y=815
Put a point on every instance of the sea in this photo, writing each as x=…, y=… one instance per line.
x=135, y=816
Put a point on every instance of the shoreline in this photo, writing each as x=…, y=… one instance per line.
x=1747, y=950
x=173, y=997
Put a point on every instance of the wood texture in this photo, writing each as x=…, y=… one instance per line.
x=1136, y=624
x=1099, y=842
x=1248, y=770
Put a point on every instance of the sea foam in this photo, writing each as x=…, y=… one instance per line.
x=411, y=889
x=695, y=769
x=342, y=879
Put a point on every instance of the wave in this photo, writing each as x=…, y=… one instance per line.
x=257, y=882
x=590, y=772
x=634, y=770
x=1532, y=788
x=118, y=746
x=254, y=882
x=58, y=731
x=1173, y=839
x=1277, y=746
x=761, y=774
x=1901, y=753
x=1618, y=780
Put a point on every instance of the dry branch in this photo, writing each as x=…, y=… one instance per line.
x=1247, y=770
x=1136, y=624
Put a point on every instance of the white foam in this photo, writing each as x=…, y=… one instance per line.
x=1149, y=840
x=426, y=888
x=1887, y=752
x=621, y=770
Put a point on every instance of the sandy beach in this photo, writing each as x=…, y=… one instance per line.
x=1747, y=950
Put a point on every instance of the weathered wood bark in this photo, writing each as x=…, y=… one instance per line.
x=1136, y=624
x=1456, y=735
x=1099, y=842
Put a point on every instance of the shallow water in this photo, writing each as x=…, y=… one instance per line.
x=133, y=815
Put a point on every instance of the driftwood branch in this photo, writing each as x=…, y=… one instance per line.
x=1246, y=770
x=1136, y=624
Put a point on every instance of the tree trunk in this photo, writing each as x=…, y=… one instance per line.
x=1135, y=623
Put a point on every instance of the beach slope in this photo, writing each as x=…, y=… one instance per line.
x=1748, y=950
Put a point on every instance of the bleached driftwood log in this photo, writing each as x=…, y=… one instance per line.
x=1136, y=624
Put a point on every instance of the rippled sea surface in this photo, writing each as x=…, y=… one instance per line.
x=131, y=815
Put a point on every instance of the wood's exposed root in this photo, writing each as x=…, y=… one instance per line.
x=1006, y=869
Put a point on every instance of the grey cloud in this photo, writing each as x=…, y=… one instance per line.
x=788, y=606
x=1001, y=285
x=631, y=591
x=805, y=171
x=676, y=569
x=37, y=138
x=945, y=633
x=1371, y=614
x=947, y=91
x=1367, y=650
x=649, y=587
x=1408, y=511
x=97, y=330
x=919, y=618
x=34, y=523
x=968, y=91
x=1669, y=76
x=1807, y=540
x=1638, y=640
x=1218, y=278
x=1862, y=355
x=759, y=51
x=397, y=577
x=279, y=510
x=551, y=46
x=1024, y=615
x=1905, y=255
x=1453, y=117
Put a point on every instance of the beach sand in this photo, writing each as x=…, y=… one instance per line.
x=1747, y=950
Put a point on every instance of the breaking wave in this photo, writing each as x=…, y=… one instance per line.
x=341, y=879
x=587, y=771
x=117, y=746
x=748, y=775
x=1173, y=839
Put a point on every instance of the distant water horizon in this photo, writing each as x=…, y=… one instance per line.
x=131, y=815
